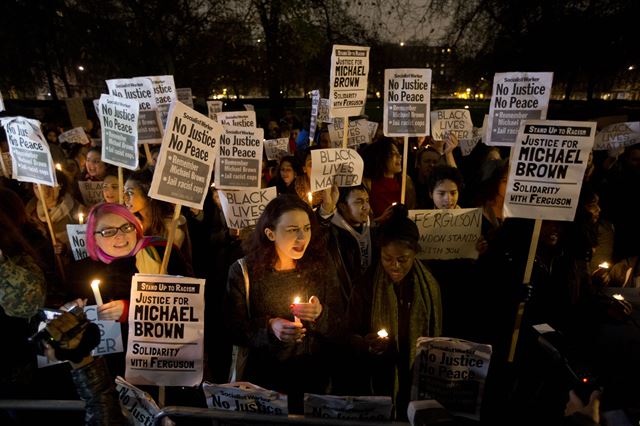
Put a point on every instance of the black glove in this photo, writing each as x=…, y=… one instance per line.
x=73, y=336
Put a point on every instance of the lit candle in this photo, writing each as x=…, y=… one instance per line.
x=80, y=218
x=394, y=203
x=383, y=333
x=296, y=300
x=58, y=166
x=310, y=197
x=618, y=297
x=95, y=286
x=604, y=265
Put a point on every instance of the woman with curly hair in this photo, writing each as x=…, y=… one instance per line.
x=285, y=260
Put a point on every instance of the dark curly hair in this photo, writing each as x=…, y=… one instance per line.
x=441, y=173
x=261, y=252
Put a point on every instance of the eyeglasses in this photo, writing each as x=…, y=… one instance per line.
x=111, y=232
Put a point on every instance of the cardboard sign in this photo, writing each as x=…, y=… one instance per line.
x=78, y=240
x=165, y=91
x=76, y=135
x=456, y=121
x=467, y=145
x=547, y=166
x=323, y=111
x=448, y=234
x=30, y=156
x=239, y=164
x=237, y=119
x=141, y=408
x=242, y=209
x=276, y=148
x=407, y=96
x=166, y=331
x=185, y=96
x=517, y=96
x=185, y=162
x=77, y=113
x=335, y=166
x=119, y=118
x=245, y=397
x=214, y=107
x=313, y=122
x=348, y=407
x=140, y=89
x=453, y=372
x=618, y=135
x=373, y=129
x=359, y=132
x=348, y=80
x=91, y=192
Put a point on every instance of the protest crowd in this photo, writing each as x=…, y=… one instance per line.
x=319, y=264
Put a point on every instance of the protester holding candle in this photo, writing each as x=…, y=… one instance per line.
x=284, y=260
x=284, y=181
x=400, y=296
x=117, y=250
x=303, y=182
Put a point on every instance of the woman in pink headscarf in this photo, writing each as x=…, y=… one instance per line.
x=117, y=250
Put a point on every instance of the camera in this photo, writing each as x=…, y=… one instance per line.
x=46, y=315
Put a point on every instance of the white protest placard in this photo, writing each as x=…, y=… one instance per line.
x=377, y=408
x=30, y=156
x=237, y=119
x=91, y=192
x=242, y=209
x=166, y=331
x=165, y=90
x=185, y=162
x=467, y=145
x=359, y=132
x=248, y=107
x=245, y=397
x=456, y=121
x=140, y=407
x=119, y=118
x=618, y=135
x=1, y=103
x=448, y=234
x=313, y=122
x=142, y=90
x=276, y=148
x=239, y=164
x=77, y=113
x=323, y=111
x=78, y=239
x=547, y=167
x=407, y=96
x=96, y=108
x=185, y=96
x=516, y=96
x=335, y=166
x=110, y=337
x=348, y=80
x=373, y=128
x=75, y=135
x=213, y=108
x=453, y=372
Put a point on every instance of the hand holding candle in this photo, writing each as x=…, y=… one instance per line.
x=95, y=286
x=306, y=311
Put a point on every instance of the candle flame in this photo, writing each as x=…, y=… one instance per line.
x=296, y=300
x=95, y=283
x=81, y=219
x=394, y=203
x=383, y=333
x=618, y=297
x=58, y=166
x=604, y=265
x=310, y=197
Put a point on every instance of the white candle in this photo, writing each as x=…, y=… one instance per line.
x=383, y=333
x=95, y=286
x=80, y=218
x=295, y=302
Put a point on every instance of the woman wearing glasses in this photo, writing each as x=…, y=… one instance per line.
x=118, y=250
